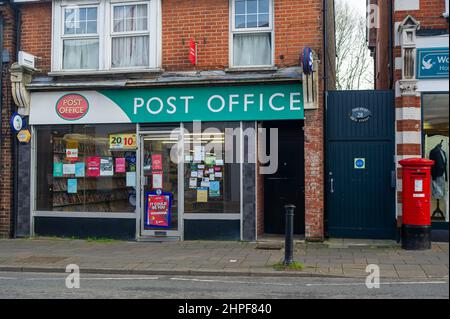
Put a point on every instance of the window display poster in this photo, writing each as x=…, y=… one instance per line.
x=219, y=162
x=72, y=154
x=199, y=153
x=157, y=180
x=120, y=165
x=218, y=174
x=194, y=174
x=106, y=166
x=93, y=166
x=131, y=163
x=158, y=209
x=72, y=186
x=217, y=168
x=79, y=169
x=131, y=179
x=68, y=169
x=214, y=189
x=193, y=183
x=58, y=169
x=202, y=195
x=210, y=160
x=157, y=162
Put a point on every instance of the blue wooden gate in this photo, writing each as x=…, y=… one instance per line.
x=360, y=167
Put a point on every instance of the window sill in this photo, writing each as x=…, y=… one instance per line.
x=106, y=72
x=251, y=69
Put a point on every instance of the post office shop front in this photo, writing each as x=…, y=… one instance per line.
x=156, y=163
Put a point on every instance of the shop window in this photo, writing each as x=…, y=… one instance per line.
x=436, y=147
x=252, y=38
x=86, y=168
x=105, y=35
x=211, y=182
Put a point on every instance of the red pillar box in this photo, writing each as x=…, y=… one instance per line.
x=416, y=194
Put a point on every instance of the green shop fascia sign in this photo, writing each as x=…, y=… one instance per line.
x=280, y=101
x=432, y=63
x=217, y=103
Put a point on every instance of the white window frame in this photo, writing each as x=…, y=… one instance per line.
x=446, y=13
x=234, y=30
x=105, y=32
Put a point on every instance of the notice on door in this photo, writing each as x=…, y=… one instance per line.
x=158, y=207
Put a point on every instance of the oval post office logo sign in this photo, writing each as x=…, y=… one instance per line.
x=72, y=107
x=360, y=114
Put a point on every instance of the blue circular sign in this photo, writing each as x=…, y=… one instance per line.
x=359, y=163
x=17, y=122
x=308, y=61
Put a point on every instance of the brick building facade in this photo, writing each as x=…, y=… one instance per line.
x=291, y=27
x=407, y=31
x=8, y=51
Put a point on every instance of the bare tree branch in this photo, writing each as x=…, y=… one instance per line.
x=354, y=66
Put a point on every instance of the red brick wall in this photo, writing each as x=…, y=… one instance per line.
x=6, y=168
x=297, y=24
x=36, y=32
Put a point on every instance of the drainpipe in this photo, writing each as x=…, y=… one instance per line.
x=1, y=94
x=325, y=89
x=18, y=21
x=391, y=51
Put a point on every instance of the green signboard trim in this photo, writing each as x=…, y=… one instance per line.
x=213, y=103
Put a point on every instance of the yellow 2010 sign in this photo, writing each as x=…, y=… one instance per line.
x=122, y=141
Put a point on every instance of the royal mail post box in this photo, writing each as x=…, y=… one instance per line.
x=416, y=197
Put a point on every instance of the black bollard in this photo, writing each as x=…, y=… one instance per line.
x=289, y=243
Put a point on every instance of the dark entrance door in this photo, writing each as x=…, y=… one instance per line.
x=286, y=186
x=360, y=171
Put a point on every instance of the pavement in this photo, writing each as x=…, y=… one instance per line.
x=333, y=258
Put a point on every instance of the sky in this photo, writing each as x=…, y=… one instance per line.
x=359, y=5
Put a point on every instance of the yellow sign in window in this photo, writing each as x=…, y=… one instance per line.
x=122, y=141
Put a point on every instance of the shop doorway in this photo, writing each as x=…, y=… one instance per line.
x=159, y=186
x=286, y=186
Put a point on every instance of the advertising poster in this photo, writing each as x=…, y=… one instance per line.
x=158, y=209
x=93, y=166
x=193, y=183
x=72, y=154
x=157, y=162
x=202, y=195
x=157, y=180
x=79, y=169
x=58, y=169
x=210, y=160
x=130, y=163
x=120, y=165
x=131, y=179
x=72, y=186
x=68, y=169
x=106, y=166
x=214, y=189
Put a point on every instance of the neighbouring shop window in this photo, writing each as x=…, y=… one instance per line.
x=86, y=168
x=436, y=147
x=211, y=184
x=104, y=35
x=252, y=33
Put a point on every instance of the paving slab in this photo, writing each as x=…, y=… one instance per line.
x=347, y=258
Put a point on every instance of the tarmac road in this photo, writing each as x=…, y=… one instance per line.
x=53, y=285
